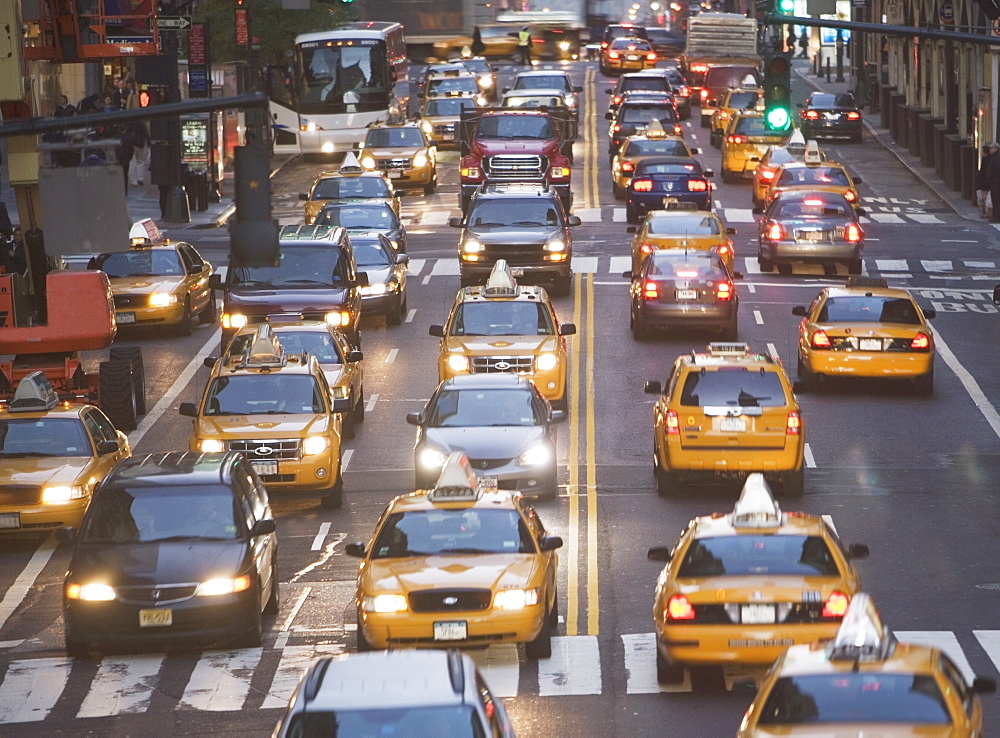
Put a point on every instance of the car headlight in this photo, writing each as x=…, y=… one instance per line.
x=338, y=317
x=222, y=586
x=162, y=299
x=537, y=456
x=91, y=592
x=211, y=446
x=545, y=362
x=61, y=494
x=234, y=320
x=385, y=603
x=458, y=362
x=420, y=160
x=570, y=100
x=486, y=81
x=560, y=172
x=516, y=599
x=368, y=162
x=375, y=289
x=481, y=100
x=426, y=126
x=555, y=244
x=309, y=127
x=471, y=246
x=564, y=45
x=431, y=458
x=314, y=445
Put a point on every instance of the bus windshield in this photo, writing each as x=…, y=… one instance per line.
x=343, y=76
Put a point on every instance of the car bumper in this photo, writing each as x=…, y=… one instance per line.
x=738, y=166
x=509, y=476
x=530, y=273
x=788, y=251
x=831, y=128
x=372, y=305
x=876, y=364
x=416, y=630
x=168, y=315
x=642, y=204
x=551, y=384
x=725, y=461
x=416, y=177
x=626, y=64
x=315, y=472
x=40, y=518
x=738, y=644
x=676, y=314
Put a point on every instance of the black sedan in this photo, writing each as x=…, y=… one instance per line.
x=660, y=180
x=385, y=293
x=362, y=217
x=678, y=288
x=175, y=549
x=827, y=114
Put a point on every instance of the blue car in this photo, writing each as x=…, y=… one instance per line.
x=663, y=180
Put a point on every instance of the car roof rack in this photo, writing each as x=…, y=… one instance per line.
x=34, y=394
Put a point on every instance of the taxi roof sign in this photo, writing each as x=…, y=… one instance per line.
x=862, y=637
x=144, y=233
x=749, y=82
x=457, y=482
x=796, y=142
x=34, y=393
x=501, y=281
x=350, y=164
x=813, y=156
x=655, y=129
x=718, y=348
x=879, y=282
x=264, y=351
x=756, y=507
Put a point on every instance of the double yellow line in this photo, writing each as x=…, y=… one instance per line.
x=591, y=159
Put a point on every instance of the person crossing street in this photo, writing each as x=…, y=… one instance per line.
x=524, y=46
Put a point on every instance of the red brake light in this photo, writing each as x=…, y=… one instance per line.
x=686, y=273
x=646, y=249
x=853, y=233
x=850, y=196
x=613, y=55
x=767, y=174
x=836, y=605
x=775, y=232
x=794, y=425
x=678, y=131
x=736, y=139
x=628, y=166
x=617, y=127
x=671, y=423
x=685, y=91
x=678, y=608
x=642, y=185
x=697, y=185
x=704, y=94
x=604, y=44
x=821, y=340
x=651, y=56
x=724, y=291
x=854, y=115
x=616, y=99
x=920, y=342
x=699, y=67
x=650, y=291
x=726, y=249
x=816, y=203
x=810, y=114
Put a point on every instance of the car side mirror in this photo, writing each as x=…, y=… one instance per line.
x=402, y=259
x=66, y=534
x=436, y=330
x=609, y=116
x=731, y=231
x=550, y=543
x=861, y=212
x=188, y=409
x=578, y=89
x=215, y=282
x=744, y=687
x=362, y=279
x=567, y=329
x=209, y=361
x=356, y=549
x=455, y=221
x=353, y=357
x=930, y=313
x=757, y=211
x=303, y=196
x=737, y=275
x=557, y=416
x=857, y=551
x=262, y=527
x=857, y=179
x=698, y=151
x=342, y=405
x=708, y=172
x=652, y=387
x=631, y=229
x=658, y=553
x=799, y=310
x=982, y=685
x=106, y=447
x=627, y=274
x=573, y=220
x=800, y=105
x=400, y=193
x=609, y=90
x=414, y=419
x=754, y=158
x=505, y=89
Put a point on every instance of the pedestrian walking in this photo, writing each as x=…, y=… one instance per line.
x=804, y=45
x=792, y=38
x=141, y=154
x=524, y=46
x=478, y=47
x=983, y=198
x=64, y=109
x=125, y=152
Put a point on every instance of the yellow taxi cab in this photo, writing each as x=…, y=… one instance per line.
x=727, y=412
x=277, y=409
x=500, y=42
x=772, y=160
x=654, y=141
x=340, y=362
x=681, y=228
x=866, y=329
x=441, y=117
x=865, y=682
x=158, y=282
x=463, y=564
x=747, y=97
x=627, y=55
x=745, y=140
x=739, y=588
x=400, y=149
x=815, y=173
x=505, y=327
x=351, y=183
x=52, y=455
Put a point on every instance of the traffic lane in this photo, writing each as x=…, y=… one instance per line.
x=31, y=579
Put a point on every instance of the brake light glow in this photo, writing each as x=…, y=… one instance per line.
x=704, y=94
x=685, y=91
x=850, y=196
x=642, y=185
x=678, y=608
x=852, y=233
x=678, y=131
x=650, y=291
x=616, y=100
x=836, y=605
x=920, y=342
x=613, y=55
x=645, y=248
x=794, y=425
x=697, y=185
x=816, y=203
x=736, y=139
x=617, y=127
x=604, y=44
x=775, y=232
x=820, y=340
x=671, y=423
x=724, y=291
x=767, y=174
x=810, y=114
x=726, y=250
x=699, y=67
x=628, y=166
x=651, y=56
x=854, y=115
x=686, y=273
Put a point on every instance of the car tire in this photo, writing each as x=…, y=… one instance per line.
x=667, y=482
x=854, y=266
x=707, y=680
x=273, y=600
x=561, y=286
x=186, y=325
x=727, y=177
x=359, y=409
x=631, y=217
x=793, y=483
x=133, y=354
x=554, y=612
x=640, y=331
x=348, y=427
x=924, y=384
x=252, y=636
x=116, y=394
x=765, y=264
x=713, y=139
x=562, y=403
x=784, y=270
x=618, y=190
x=706, y=121
x=668, y=672
x=430, y=188
x=395, y=315
x=75, y=648
x=362, y=642
x=334, y=499
x=807, y=380
x=541, y=646
x=210, y=313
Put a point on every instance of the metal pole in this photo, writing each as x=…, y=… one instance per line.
x=840, y=55
x=175, y=203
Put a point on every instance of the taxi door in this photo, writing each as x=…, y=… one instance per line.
x=197, y=272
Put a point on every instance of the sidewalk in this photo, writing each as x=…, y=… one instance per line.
x=963, y=208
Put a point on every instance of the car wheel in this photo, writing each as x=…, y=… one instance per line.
x=765, y=264
x=707, y=680
x=541, y=647
x=187, y=320
x=210, y=313
x=807, y=380
x=273, y=600
x=631, y=217
x=554, y=612
x=348, y=426
x=668, y=672
x=854, y=266
x=667, y=482
x=252, y=636
x=395, y=315
x=784, y=269
x=362, y=642
x=334, y=499
x=75, y=648
x=116, y=394
x=640, y=331
x=618, y=190
x=924, y=384
x=705, y=121
x=727, y=177
x=359, y=409
x=714, y=140
x=562, y=403
x=430, y=188
x=133, y=354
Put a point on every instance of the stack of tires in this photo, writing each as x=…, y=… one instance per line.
x=122, y=387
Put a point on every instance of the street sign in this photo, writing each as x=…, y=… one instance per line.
x=174, y=22
x=995, y=26
x=946, y=12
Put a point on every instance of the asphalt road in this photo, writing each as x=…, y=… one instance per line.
x=913, y=477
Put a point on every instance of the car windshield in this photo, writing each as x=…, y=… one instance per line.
x=383, y=138
x=814, y=175
x=812, y=207
x=414, y=722
x=479, y=408
x=448, y=106
x=264, y=394
x=740, y=100
x=370, y=217
x=315, y=343
x=162, y=514
x=513, y=126
x=542, y=82
x=501, y=318
x=635, y=114
x=508, y=212
x=312, y=267
x=34, y=437
x=855, y=697
x=825, y=100
x=675, y=169
x=734, y=386
x=657, y=147
x=533, y=101
x=141, y=263
x=448, y=85
x=657, y=83
x=681, y=266
x=684, y=225
x=864, y=309
x=758, y=555
x=342, y=187
x=630, y=44
x=751, y=126
x=442, y=531
x=370, y=254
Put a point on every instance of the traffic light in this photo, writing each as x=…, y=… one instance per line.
x=778, y=92
x=784, y=7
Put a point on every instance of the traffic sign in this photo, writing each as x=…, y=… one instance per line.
x=995, y=26
x=946, y=12
x=174, y=22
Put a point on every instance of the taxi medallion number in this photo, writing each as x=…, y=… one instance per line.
x=10, y=520
x=870, y=344
x=125, y=317
x=451, y=630
x=757, y=614
x=732, y=424
x=265, y=468
x=156, y=618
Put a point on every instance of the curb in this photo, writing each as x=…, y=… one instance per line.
x=223, y=218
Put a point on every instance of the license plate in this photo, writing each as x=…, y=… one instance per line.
x=517, y=272
x=10, y=520
x=451, y=630
x=732, y=424
x=632, y=57
x=669, y=201
x=395, y=173
x=756, y=614
x=264, y=468
x=125, y=317
x=447, y=136
x=487, y=482
x=871, y=344
x=810, y=235
x=687, y=294
x=159, y=618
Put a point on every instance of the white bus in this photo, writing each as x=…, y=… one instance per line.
x=338, y=83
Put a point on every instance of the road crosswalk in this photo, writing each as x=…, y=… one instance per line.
x=229, y=680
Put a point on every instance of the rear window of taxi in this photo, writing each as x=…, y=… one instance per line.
x=864, y=309
x=657, y=148
x=813, y=175
x=751, y=126
x=691, y=225
x=757, y=555
x=681, y=266
x=646, y=113
x=733, y=386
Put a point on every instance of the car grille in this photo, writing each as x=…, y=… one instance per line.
x=397, y=163
x=487, y=464
x=516, y=254
x=17, y=494
x=515, y=168
x=280, y=450
x=450, y=600
x=500, y=364
x=446, y=128
x=131, y=301
x=155, y=594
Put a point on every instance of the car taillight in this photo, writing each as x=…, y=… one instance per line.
x=685, y=91
x=678, y=131
x=853, y=115
x=678, y=608
x=820, y=340
x=810, y=115
x=736, y=139
x=651, y=56
x=671, y=423
x=704, y=94
x=697, y=185
x=775, y=232
x=617, y=127
x=616, y=100
x=724, y=291
x=628, y=166
x=850, y=196
x=613, y=55
x=699, y=68
x=836, y=605
x=604, y=44
x=650, y=291
x=852, y=233
x=920, y=342
x=767, y=174
x=794, y=424
x=727, y=250
x=642, y=185
x=646, y=248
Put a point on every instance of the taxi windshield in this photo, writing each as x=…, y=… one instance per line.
x=855, y=697
x=657, y=147
x=381, y=138
x=635, y=114
x=508, y=212
x=513, y=126
x=814, y=175
x=434, y=532
x=448, y=106
x=371, y=217
x=315, y=343
x=733, y=387
x=684, y=225
x=161, y=514
x=141, y=263
x=300, y=267
x=542, y=82
x=338, y=187
x=447, y=85
x=532, y=101
x=864, y=309
x=37, y=437
x=264, y=394
x=428, y=721
x=758, y=555
x=475, y=408
x=501, y=318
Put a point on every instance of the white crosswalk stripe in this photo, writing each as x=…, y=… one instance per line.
x=500, y=668
x=585, y=264
x=620, y=264
x=574, y=668
x=122, y=685
x=891, y=265
x=738, y=215
x=221, y=680
x=936, y=266
x=31, y=688
x=294, y=661
x=889, y=218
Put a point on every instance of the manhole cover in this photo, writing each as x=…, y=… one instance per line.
x=988, y=586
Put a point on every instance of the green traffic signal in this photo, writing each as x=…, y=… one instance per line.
x=777, y=92
x=786, y=7
x=778, y=119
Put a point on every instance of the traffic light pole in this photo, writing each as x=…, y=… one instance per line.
x=173, y=197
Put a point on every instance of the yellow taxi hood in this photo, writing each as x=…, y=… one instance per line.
x=881, y=330
x=858, y=730
x=392, y=151
x=760, y=589
x=62, y=470
x=483, y=571
x=263, y=426
x=489, y=344
x=144, y=285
